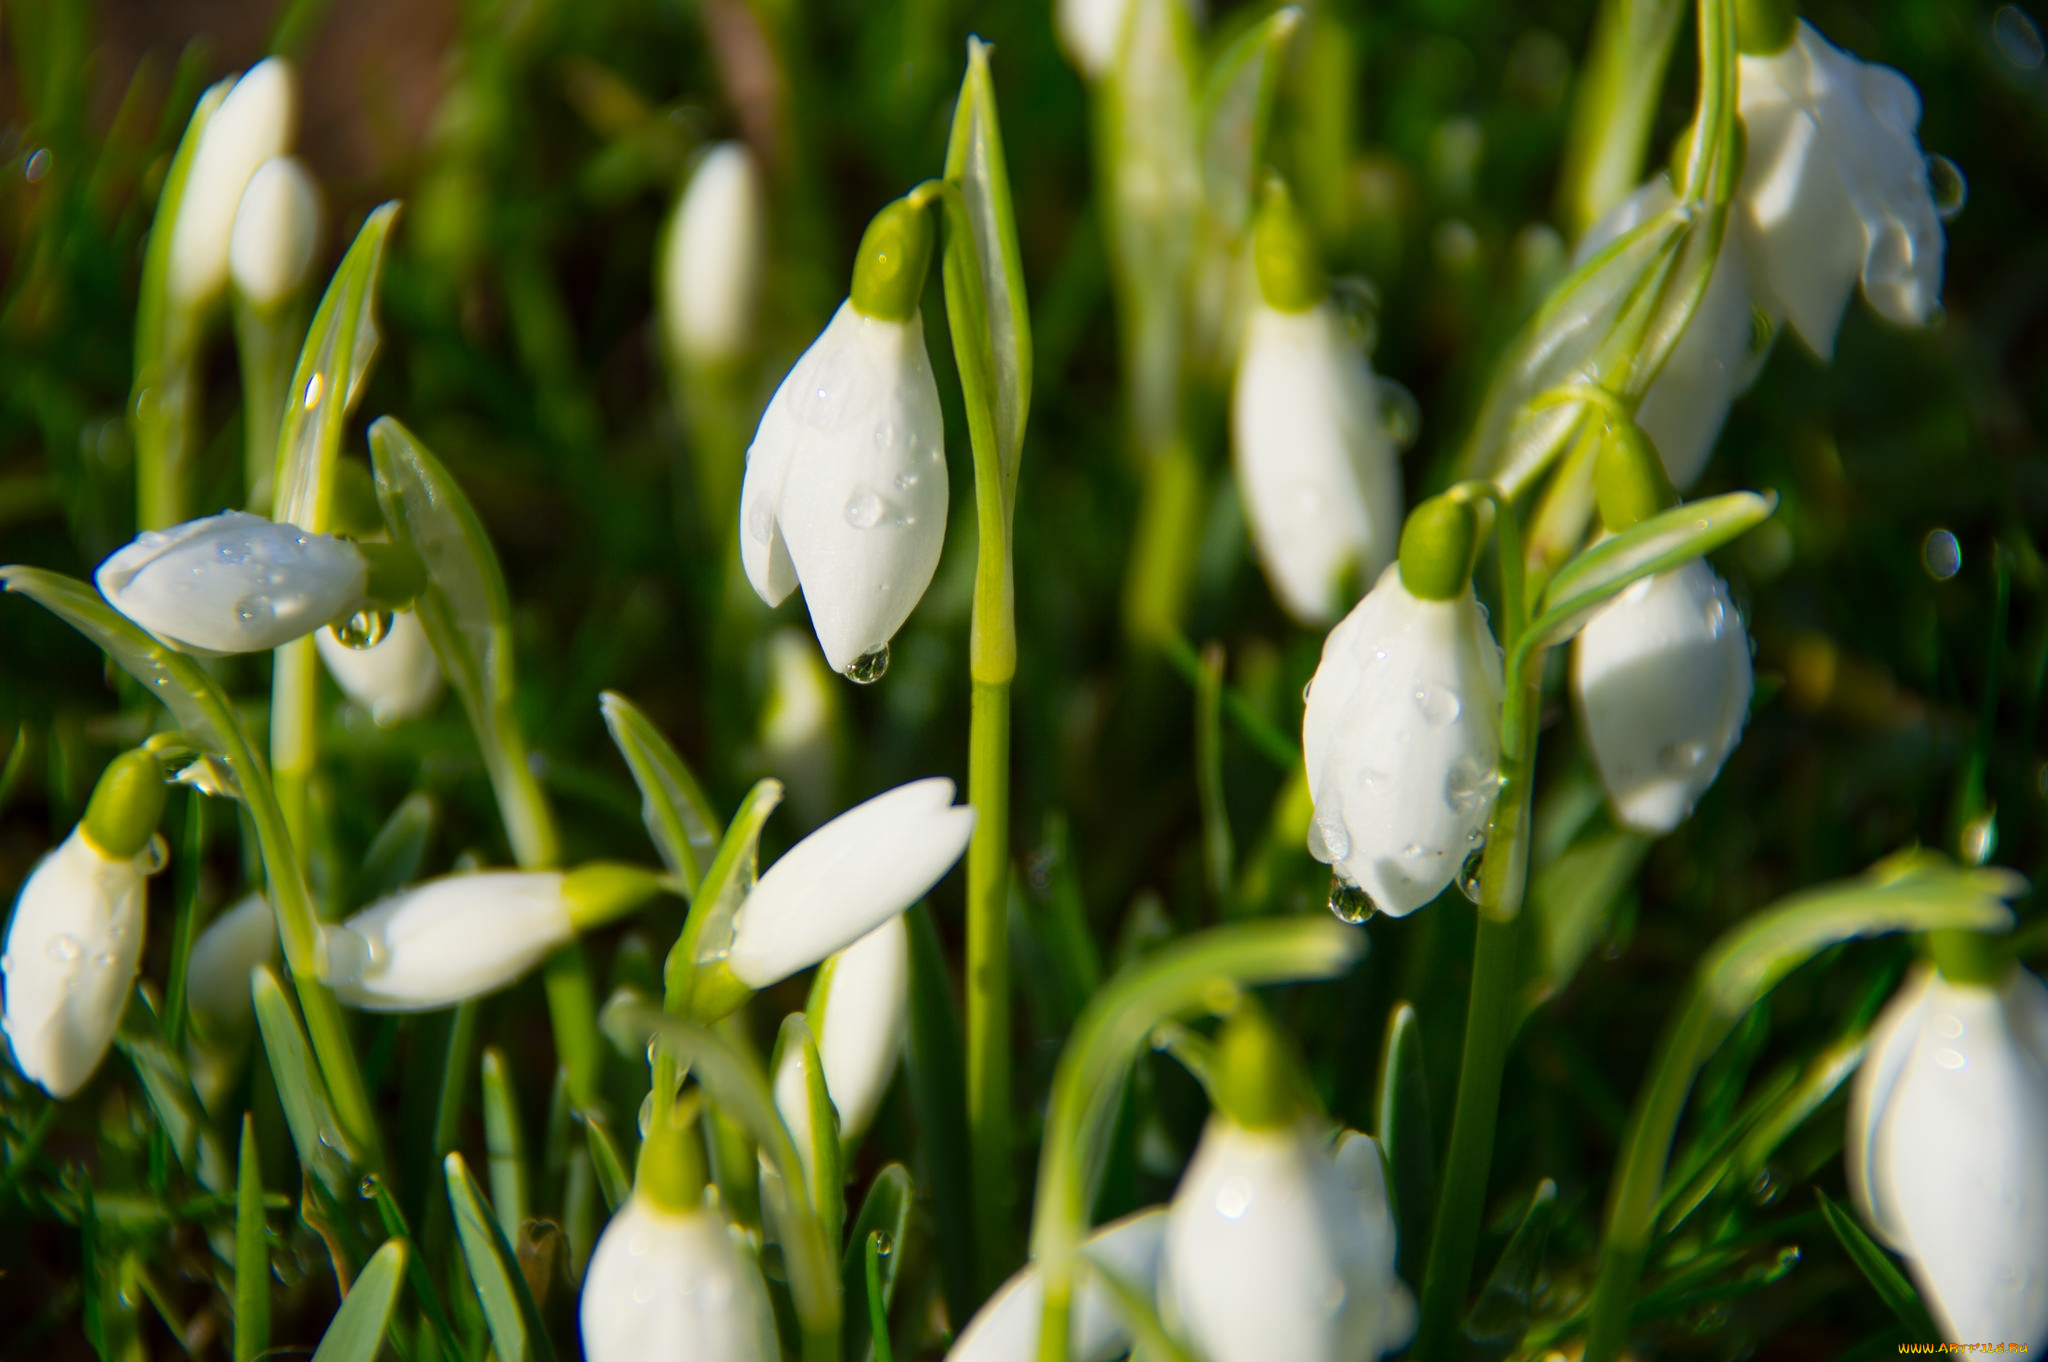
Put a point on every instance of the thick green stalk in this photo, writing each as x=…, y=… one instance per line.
x=294, y=744
x=1616, y=106
x=988, y=976
x=266, y=343
x=166, y=407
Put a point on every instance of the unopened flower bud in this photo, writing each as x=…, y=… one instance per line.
x=858, y=1010
x=670, y=1283
x=1006, y=1328
x=711, y=258
x=396, y=678
x=253, y=124
x=276, y=230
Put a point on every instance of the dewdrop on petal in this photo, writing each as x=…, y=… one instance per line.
x=254, y=123
x=858, y=1010
x=1006, y=1328
x=711, y=258
x=845, y=488
x=276, y=230
x=396, y=678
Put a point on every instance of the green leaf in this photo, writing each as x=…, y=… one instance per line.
x=468, y=617
x=505, y=1146
x=416, y=1274
x=1513, y=1290
x=252, y=1254
x=795, y=1043
x=1571, y=901
x=509, y=1310
x=679, y=817
x=1405, y=1137
x=886, y=1209
x=1879, y=1270
x=726, y=883
x=168, y=1086
x=1658, y=544
x=399, y=849
x=934, y=1061
x=974, y=161
x=307, y=1112
x=358, y=1328
x=612, y=1179
x=1237, y=107
x=328, y=381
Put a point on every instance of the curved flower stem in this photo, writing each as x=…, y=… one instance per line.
x=1617, y=103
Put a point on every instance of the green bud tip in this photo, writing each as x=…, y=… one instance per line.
x=1284, y=252
x=1764, y=28
x=1629, y=481
x=1437, y=547
x=126, y=805
x=1969, y=958
x=670, y=1172
x=1257, y=1084
x=895, y=252
x=716, y=993
x=605, y=891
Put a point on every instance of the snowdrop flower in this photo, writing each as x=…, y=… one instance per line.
x=234, y=582
x=1314, y=461
x=1835, y=189
x=75, y=942
x=1092, y=32
x=1402, y=731
x=711, y=258
x=276, y=228
x=1006, y=1328
x=462, y=936
x=834, y=887
x=396, y=678
x=254, y=123
x=845, y=488
x=797, y=724
x=1275, y=1248
x=217, y=973
x=1944, y=1151
x=858, y=1010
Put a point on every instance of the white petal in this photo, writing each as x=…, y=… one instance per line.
x=73, y=949
x=1662, y=680
x=447, y=941
x=1322, y=490
x=1402, y=743
x=711, y=258
x=1092, y=32
x=865, y=1011
x=793, y=1104
x=1804, y=242
x=254, y=123
x=662, y=1285
x=217, y=972
x=276, y=228
x=847, y=878
x=764, y=552
x=397, y=679
x=233, y=582
x=1006, y=1328
x=1888, y=1047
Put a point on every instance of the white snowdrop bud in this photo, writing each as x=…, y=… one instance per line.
x=1662, y=680
x=711, y=258
x=858, y=1011
x=1402, y=743
x=217, y=973
x=1006, y=1328
x=1944, y=1151
x=797, y=722
x=396, y=678
x=1092, y=32
x=253, y=124
x=233, y=582
x=1835, y=188
x=669, y=1283
x=276, y=229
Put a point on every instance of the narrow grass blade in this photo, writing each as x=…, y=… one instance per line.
x=357, y=1333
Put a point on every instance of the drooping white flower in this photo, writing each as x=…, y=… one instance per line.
x=397, y=678
x=73, y=949
x=1402, y=742
x=1092, y=31
x=846, y=879
x=1944, y=1151
x=233, y=582
x=845, y=488
x=1835, y=189
x=1662, y=680
x=711, y=258
x=255, y=122
x=217, y=972
x=276, y=229
x=797, y=738
x=859, y=1010
x=1322, y=490
x=668, y=1283
x=1006, y=1328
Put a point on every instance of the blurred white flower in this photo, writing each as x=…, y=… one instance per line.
x=397, y=678
x=255, y=122
x=233, y=582
x=1321, y=486
x=669, y=1284
x=1835, y=188
x=1402, y=743
x=1006, y=1328
x=447, y=940
x=276, y=229
x=1662, y=680
x=711, y=258
x=1944, y=1151
x=845, y=488
x=1092, y=32
x=217, y=973
x=858, y=1011
x=797, y=739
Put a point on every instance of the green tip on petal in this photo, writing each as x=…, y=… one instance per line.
x=716, y=993
x=1969, y=958
x=895, y=253
x=1764, y=28
x=670, y=1172
x=1629, y=480
x=126, y=805
x=1437, y=548
x=605, y=891
x=1284, y=251
x=1257, y=1084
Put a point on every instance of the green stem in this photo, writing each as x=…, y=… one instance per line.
x=1617, y=104
x=988, y=977
x=165, y=409
x=294, y=743
x=266, y=343
x=1283, y=750
x=1163, y=545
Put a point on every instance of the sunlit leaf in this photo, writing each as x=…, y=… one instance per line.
x=510, y=1313
x=252, y=1254
x=887, y=1210
x=679, y=817
x=1513, y=1290
x=357, y=1333
x=1406, y=1136
x=1879, y=1270
x=1237, y=105
x=503, y=1143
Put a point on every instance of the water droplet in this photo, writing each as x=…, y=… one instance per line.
x=1400, y=413
x=1306, y=687
x=153, y=857
x=1349, y=902
x=864, y=510
x=367, y=1188
x=1330, y=1299
x=2018, y=40
x=1438, y=704
x=904, y=482
x=1764, y=1188
x=1414, y=851
x=1469, y=787
x=1716, y=616
x=363, y=630
x=254, y=609
x=886, y=436
x=1979, y=838
x=314, y=387
x=1356, y=304
x=38, y=165
x=62, y=949
x=1682, y=758
x=882, y=1242
x=760, y=520
x=1951, y=190
x=1951, y=1059
x=104, y=960
x=1468, y=874
x=1328, y=839
x=1941, y=554
x=1234, y=1198
x=870, y=667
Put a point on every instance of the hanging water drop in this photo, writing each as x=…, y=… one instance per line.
x=156, y=854
x=1468, y=873
x=367, y=1189
x=62, y=949
x=1349, y=902
x=1328, y=840
x=363, y=630
x=1979, y=838
x=1951, y=190
x=1356, y=304
x=882, y=1242
x=870, y=667
x=1400, y=413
